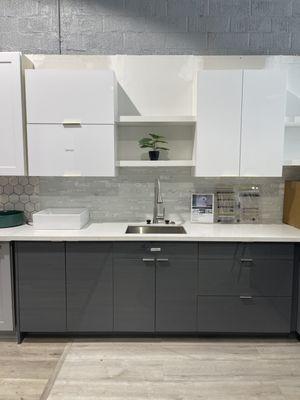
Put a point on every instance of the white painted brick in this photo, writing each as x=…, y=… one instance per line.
x=271, y=7
x=209, y=24
x=177, y=8
x=229, y=7
x=251, y=24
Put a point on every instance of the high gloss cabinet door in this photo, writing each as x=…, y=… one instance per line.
x=263, y=113
x=218, y=123
x=12, y=159
x=176, y=290
x=41, y=286
x=82, y=150
x=55, y=96
x=89, y=287
x=134, y=294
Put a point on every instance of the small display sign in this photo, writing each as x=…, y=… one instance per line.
x=202, y=208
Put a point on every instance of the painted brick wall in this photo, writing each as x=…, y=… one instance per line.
x=150, y=26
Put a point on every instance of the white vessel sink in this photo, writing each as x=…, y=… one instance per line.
x=61, y=218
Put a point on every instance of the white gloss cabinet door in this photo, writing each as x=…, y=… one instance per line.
x=218, y=123
x=82, y=150
x=57, y=96
x=6, y=313
x=12, y=159
x=262, y=138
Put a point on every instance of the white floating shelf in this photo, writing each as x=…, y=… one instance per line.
x=292, y=124
x=142, y=120
x=163, y=163
x=291, y=163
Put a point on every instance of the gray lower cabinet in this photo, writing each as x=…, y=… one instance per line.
x=40, y=268
x=6, y=312
x=89, y=286
x=147, y=287
x=245, y=287
x=155, y=287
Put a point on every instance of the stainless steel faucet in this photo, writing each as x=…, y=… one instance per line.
x=158, y=209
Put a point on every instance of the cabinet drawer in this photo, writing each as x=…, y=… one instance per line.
x=155, y=249
x=246, y=250
x=234, y=315
x=267, y=250
x=132, y=250
x=53, y=96
x=260, y=277
x=83, y=150
x=175, y=249
x=219, y=250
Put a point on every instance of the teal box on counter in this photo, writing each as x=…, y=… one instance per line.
x=11, y=218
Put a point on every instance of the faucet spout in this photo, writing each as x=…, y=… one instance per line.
x=158, y=209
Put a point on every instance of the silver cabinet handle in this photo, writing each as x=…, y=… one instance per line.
x=148, y=259
x=246, y=260
x=162, y=259
x=153, y=249
x=67, y=122
x=246, y=297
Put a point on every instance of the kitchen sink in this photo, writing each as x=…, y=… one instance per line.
x=160, y=229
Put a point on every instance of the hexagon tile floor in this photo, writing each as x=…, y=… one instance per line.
x=19, y=193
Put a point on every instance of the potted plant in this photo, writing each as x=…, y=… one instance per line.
x=153, y=142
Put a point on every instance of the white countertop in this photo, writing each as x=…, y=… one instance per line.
x=195, y=232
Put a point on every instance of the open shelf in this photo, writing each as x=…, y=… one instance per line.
x=162, y=163
x=292, y=124
x=153, y=120
x=291, y=163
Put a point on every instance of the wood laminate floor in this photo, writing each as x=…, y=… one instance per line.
x=26, y=369
x=215, y=369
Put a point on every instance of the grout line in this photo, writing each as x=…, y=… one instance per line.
x=56, y=371
x=241, y=123
x=59, y=24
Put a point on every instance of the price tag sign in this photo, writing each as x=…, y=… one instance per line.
x=202, y=208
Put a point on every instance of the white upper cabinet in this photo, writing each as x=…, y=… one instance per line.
x=240, y=123
x=80, y=150
x=12, y=157
x=262, y=140
x=55, y=96
x=71, y=118
x=218, y=123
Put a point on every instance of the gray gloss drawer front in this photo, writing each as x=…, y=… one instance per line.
x=284, y=251
x=41, y=280
x=155, y=249
x=89, y=287
x=232, y=277
x=131, y=250
x=246, y=250
x=217, y=314
x=237, y=274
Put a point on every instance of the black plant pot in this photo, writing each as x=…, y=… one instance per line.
x=154, y=155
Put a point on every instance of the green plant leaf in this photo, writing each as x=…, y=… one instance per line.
x=160, y=141
x=152, y=142
x=156, y=136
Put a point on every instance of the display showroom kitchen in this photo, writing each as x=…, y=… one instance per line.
x=150, y=199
